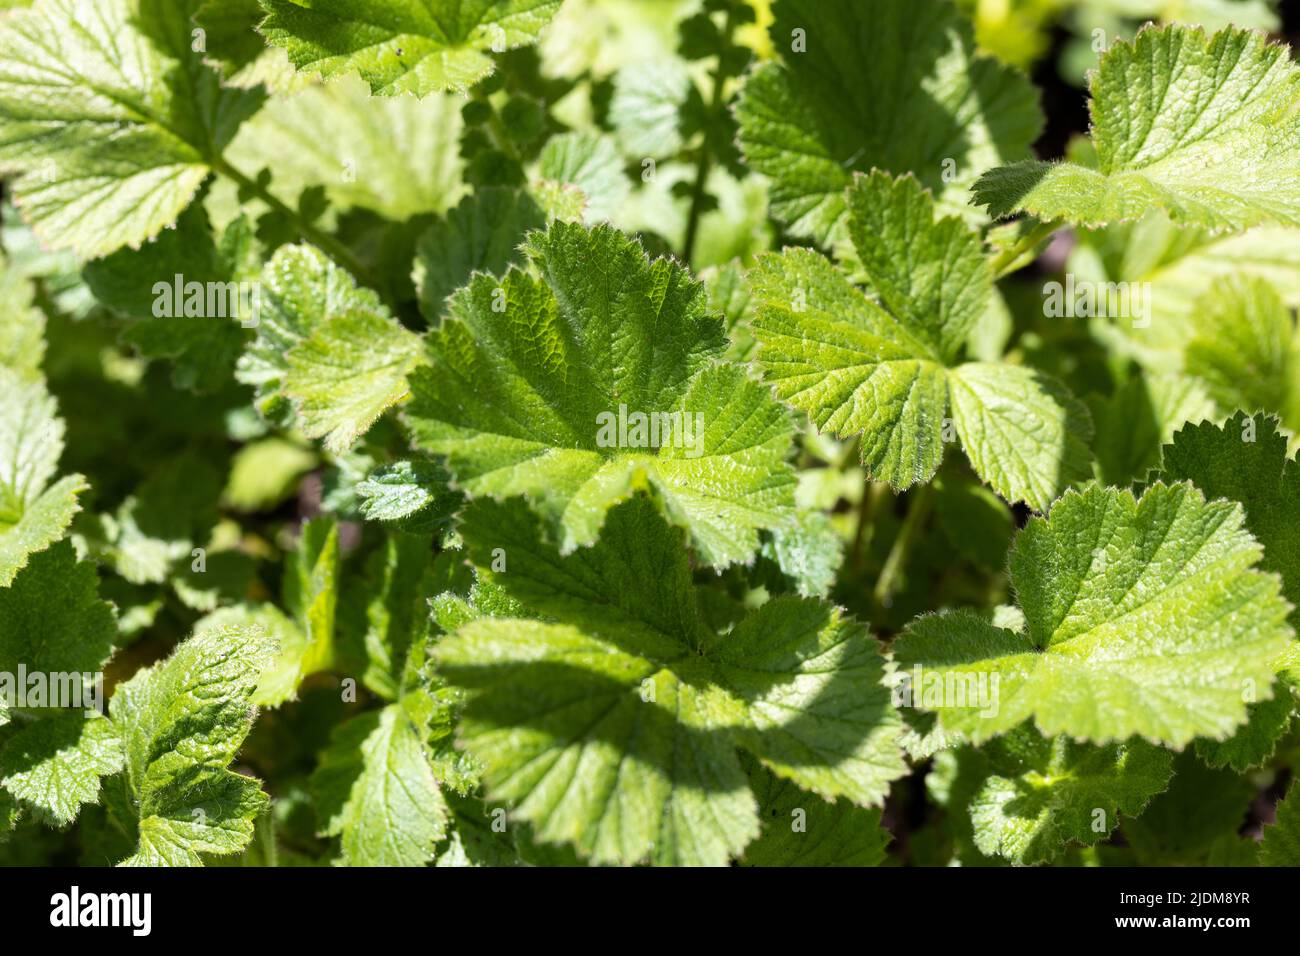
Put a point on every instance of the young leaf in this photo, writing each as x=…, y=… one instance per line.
x=626, y=685
x=33, y=513
x=549, y=388
x=1044, y=793
x=327, y=347
x=1202, y=127
x=182, y=722
x=375, y=787
x=416, y=496
x=1145, y=617
x=894, y=85
x=111, y=121
x=401, y=46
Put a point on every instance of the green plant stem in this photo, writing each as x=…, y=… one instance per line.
x=318, y=237
x=705, y=162
x=1008, y=260
x=918, y=508
x=871, y=495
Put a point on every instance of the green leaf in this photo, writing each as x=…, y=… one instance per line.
x=895, y=86
x=51, y=617
x=625, y=685
x=1245, y=460
x=1281, y=844
x=327, y=347
x=1246, y=348
x=54, y=764
x=1140, y=418
x=182, y=722
x=587, y=168
x=1202, y=127
x=111, y=122
x=396, y=156
x=1023, y=431
x=400, y=46
x=528, y=380
x=33, y=513
x=400, y=582
x=482, y=234
x=856, y=368
x=306, y=641
x=1045, y=793
x=416, y=496
x=931, y=274
x=186, y=295
x=375, y=787
x=1189, y=823
x=347, y=373
x=809, y=551
x=1144, y=618
x=22, y=325
x=802, y=830
x=264, y=473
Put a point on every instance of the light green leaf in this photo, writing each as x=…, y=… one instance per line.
x=529, y=378
x=396, y=156
x=327, y=347
x=264, y=473
x=400, y=46
x=1023, y=431
x=54, y=764
x=375, y=787
x=22, y=325
x=182, y=722
x=1246, y=348
x=33, y=513
x=306, y=641
x=1144, y=618
x=416, y=496
x=1045, y=793
x=931, y=274
x=589, y=163
x=893, y=85
x=628, y=688
x=1203, y=127
x=111, y=122
x=350, y=370
x=832, y=352
x=856, y=368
